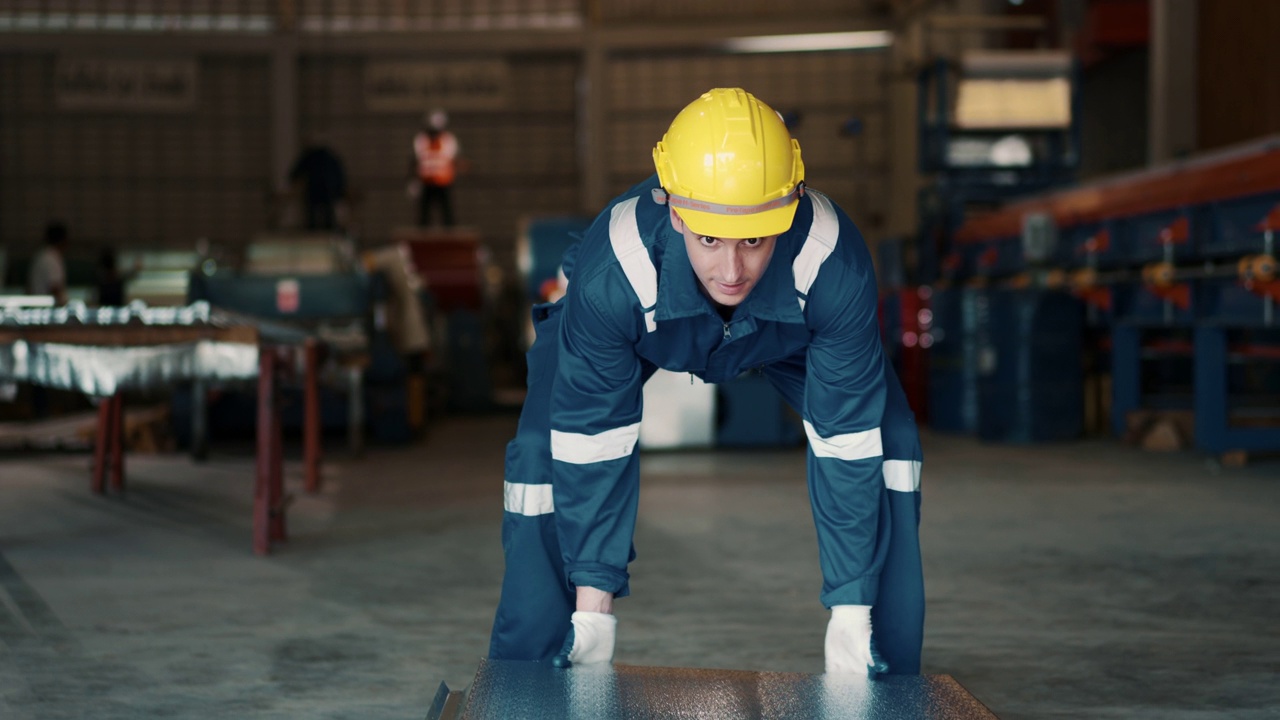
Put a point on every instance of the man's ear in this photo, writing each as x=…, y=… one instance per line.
x=676, y=223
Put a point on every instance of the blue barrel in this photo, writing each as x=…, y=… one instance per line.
x=1030, y=374
x=953, y=360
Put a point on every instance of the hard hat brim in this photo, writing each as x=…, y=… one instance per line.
x=761, y=224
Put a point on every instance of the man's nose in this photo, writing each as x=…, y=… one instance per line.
x=731, y=269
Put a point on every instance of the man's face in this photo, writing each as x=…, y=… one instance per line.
x=727, y=268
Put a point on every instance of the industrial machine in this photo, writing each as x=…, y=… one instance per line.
x=453, y=265
x=994, y=126
x=159, y=278
x=315, y=283
x=1174, y=273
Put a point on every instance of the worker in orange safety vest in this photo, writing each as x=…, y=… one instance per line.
x=434, y=167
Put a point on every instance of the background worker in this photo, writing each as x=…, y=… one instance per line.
x=434, y=168
x=722, y=262
x=319, y=170
x=48, y=272
x=111, y=281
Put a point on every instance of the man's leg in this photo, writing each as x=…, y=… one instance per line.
x=536, y=604
x=424, y=205
x=446, y=205
x=897, y=618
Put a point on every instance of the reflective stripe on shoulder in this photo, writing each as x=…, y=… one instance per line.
x=818, y=246
x=902, y=475
x=633, y=256
x=849, y=446
x=579, y=449
x=526, y=499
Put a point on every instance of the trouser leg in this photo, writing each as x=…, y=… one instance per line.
x=446, y=205
x=424, y=205
x=897, y=618
x=536, y=602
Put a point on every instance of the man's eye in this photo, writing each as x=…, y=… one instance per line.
x=752, y=242
x=708, y=241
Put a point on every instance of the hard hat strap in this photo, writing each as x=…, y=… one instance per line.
x=662, y=197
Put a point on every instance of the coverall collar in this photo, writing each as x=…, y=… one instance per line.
x=773, y=298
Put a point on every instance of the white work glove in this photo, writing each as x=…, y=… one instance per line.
x=849, y=648
x=590, y=640
x=413, y=189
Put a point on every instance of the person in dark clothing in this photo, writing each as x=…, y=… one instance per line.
x=325, y=181
x=111, y=281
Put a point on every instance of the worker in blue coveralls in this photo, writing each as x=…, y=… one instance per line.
x=721, y=263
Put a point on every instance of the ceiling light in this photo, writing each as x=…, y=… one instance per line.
x=864, y=40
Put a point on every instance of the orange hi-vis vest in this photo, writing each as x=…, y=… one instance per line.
x=436, y=158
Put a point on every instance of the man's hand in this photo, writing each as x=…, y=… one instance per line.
x=849, y=647
x=590, y=640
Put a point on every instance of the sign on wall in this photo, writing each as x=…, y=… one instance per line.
x=143, y=85
x=419, y=86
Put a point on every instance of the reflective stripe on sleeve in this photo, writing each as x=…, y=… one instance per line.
x=633, y=256
x=581, y=449
x=902, y=475
x=818, y=246
x=850, y=446
x=525, y=499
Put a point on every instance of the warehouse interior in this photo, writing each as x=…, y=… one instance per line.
x=252, y=443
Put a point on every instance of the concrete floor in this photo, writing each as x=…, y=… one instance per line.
x=1087, y=580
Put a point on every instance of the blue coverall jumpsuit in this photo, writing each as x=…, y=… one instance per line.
x=634, y=305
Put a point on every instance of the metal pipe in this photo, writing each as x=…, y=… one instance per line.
x=1268, y=302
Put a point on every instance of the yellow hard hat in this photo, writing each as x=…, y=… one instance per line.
x=729, y=167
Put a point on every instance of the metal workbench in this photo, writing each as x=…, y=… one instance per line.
x=104, y=352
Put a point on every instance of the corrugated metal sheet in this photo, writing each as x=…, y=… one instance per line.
x=133, y=178
x=617, y=11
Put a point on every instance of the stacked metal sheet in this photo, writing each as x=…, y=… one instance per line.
x=100, y=351
x=509, y=690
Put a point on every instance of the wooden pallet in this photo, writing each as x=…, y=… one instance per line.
x=1160, y=430
x=146, y=430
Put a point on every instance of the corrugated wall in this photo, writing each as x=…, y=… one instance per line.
x=165, y=179
x=1239, y=71
x=627, y=11
x=519, y=160
x=136, y=178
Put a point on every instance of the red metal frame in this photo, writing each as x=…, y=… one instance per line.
x=1179, y=294
x=1099, y=297
x=268, y=494
x=117, y=442
x=1229, y=175
x=108, y=446
x=311, y=429
x=268, y=510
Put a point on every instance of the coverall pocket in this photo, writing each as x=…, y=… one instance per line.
x=543, y=312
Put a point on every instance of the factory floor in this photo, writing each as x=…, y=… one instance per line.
x=1083, y=580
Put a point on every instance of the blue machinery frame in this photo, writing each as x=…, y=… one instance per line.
x=1176, y=265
